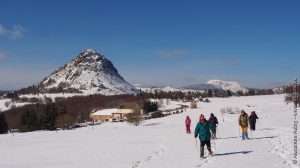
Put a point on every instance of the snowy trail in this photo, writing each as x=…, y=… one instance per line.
x=162, y=143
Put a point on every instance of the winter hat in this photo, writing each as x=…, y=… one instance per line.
x=201, y=117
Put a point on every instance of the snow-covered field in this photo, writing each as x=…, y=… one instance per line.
x=162, y=143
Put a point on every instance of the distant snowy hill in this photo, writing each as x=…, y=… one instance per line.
x=218, y=84
x=227, y=85
x=89, y=72
x=165, y=89
x=211, y=84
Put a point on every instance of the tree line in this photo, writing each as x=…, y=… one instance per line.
x=190, y=96
x=61, y=111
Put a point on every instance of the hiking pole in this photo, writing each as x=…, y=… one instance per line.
x=239, y=132
x=197, y=145
x=215, y=145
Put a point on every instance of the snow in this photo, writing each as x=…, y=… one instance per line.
x=10, y=104
x=162, y=143
x=53, y=95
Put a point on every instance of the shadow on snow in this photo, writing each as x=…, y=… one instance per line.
x=152, y=124
x=232, y=153
x=267, y=137
x=228, y=138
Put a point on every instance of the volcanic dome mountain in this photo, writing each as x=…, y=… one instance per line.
x=90, y=72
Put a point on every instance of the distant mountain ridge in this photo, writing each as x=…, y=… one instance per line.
x=211, y=84
x=227, y=85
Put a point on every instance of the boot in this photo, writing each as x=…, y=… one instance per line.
x=243, y=135
x=210, y=152
x=246, y=133
x=201, y=151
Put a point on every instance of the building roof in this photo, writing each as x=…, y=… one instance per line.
x=112, y=111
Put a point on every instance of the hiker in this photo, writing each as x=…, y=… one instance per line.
x=243, y=122
x=252, y=120
x=202, y=129
x=213, y=122
x=188, y=125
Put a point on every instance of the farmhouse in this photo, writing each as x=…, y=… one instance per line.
x=113, y=114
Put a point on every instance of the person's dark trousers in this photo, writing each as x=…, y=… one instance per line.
x=202, y=144
x=252, y=126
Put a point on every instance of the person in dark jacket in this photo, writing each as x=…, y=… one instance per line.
x=202, y=129
x=213, y=122
x=252, y=120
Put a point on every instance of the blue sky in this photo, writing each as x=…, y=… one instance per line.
x=177, y=43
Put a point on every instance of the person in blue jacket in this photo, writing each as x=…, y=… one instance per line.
x=202, y=129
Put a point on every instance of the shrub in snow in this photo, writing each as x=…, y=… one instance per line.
x=193, y=105
x=237, y=109
x=223, y=110
x=229, y=109
x=134, y=118
x=157, y=115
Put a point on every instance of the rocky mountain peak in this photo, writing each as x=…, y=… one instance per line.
x=88, y=72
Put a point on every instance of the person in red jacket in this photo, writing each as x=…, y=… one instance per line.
x=188, y=124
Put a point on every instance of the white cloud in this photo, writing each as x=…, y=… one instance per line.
x=17, y=31
x=172, y=53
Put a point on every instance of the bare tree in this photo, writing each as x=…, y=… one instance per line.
x=135, y=118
